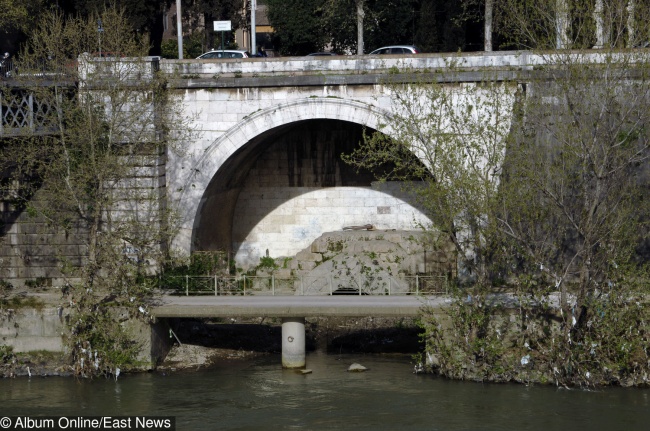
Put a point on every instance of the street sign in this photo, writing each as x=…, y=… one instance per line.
x=222, y=25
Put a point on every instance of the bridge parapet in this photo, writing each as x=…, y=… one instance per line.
x=377, y=64
x=296, y=66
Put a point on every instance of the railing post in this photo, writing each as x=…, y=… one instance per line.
x=389, y=286
x=417, y=285
x=30, y=100
x=302, y=286
x=244, y=284
x=272, y=285
x=359, y=284
x=187, y=285
x=215, y=285
x=330, y=283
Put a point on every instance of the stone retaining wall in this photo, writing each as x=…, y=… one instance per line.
x=30, y=329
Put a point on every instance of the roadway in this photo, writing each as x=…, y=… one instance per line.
x=294, y=306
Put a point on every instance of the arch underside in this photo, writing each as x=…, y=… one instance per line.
x=283, y=187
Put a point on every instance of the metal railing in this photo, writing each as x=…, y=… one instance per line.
x=246, y=285
x=6, y=68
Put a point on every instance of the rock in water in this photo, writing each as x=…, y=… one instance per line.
x=357, y=368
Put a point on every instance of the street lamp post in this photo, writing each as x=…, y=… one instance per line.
x=100, y=30
x=253, y=36
x=179, y=29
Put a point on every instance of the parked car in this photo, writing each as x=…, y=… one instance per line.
x=396, y=49
x=226, y=53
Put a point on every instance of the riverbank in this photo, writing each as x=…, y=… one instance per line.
x=200, y=343
x=35, y=364
x=507, y=352
x=205, y=342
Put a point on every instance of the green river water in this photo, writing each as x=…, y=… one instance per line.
x=259, y=395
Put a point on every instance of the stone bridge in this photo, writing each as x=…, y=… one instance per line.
x=265, y=175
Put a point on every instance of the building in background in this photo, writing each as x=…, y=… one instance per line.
x=263, y=29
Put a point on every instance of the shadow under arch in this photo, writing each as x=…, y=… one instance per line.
x=194, y=198
x=299, y=187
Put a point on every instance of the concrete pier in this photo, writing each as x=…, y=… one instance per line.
x=293, y=342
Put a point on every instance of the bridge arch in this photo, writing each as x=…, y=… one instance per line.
x=215, y=181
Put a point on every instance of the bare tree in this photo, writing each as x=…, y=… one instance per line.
x=448, y=143
x=91, y=171
x=545, y=195
x=578, y=24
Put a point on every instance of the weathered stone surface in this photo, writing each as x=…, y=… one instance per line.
x=369, y=261
x=306, y=256
x=307, y=266
x=28, y=329
x=283, y=273
x=371, y=246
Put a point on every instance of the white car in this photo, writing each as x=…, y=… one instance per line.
x=226, y=53
x=396, y=49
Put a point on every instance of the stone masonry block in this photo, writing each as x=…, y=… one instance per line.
x=306, y=256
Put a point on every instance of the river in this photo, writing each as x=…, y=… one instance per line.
x=258, y=395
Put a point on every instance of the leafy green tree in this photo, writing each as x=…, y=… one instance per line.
x=432, y=25
x=141, y=15
x=297, y=25
x=16, y=18
x=389, y=23
x=17, y=14
x=384, y=23
x=426, y=36
x=193, y=46
x=213, y=10
x=144, y=16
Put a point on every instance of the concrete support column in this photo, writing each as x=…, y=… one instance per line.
x=293, y=342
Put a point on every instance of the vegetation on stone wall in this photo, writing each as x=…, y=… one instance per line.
x=91, y=174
